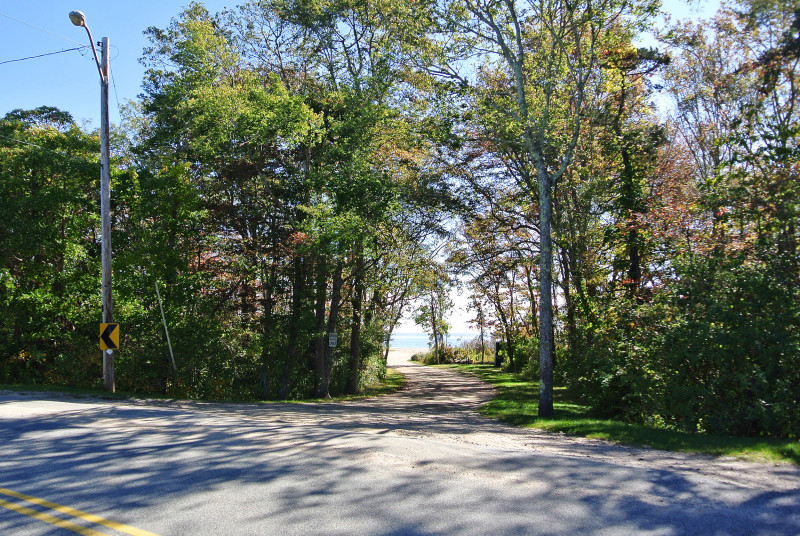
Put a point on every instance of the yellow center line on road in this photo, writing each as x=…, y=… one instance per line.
x=47, y=518
x=43, y=516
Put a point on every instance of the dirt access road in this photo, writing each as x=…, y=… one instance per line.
x=418, y=462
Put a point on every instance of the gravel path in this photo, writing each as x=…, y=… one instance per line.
x=435, y=392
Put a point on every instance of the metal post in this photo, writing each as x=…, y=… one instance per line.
x=105, y=213
x=164, y=321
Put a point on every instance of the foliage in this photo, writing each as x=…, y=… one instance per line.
x=516, y=401
x=300, y=169
x=732, y=360
x=48, y=248
x=650, y=215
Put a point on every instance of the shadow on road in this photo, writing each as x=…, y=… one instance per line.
x=420, y=461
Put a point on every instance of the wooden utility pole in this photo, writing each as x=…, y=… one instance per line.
x=79, y=19
x=105, y=214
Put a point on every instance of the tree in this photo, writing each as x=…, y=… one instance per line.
x=497, y=254
x=290, y=122
x=734, y=81
x=49, y=251
x=349, y=59
x=436, y=303
x=547, y=56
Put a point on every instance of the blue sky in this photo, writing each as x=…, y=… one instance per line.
x=70, y=81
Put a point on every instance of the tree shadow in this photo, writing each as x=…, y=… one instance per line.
x=409, y=463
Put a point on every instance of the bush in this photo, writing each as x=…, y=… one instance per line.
x=731, y=364
x=717, y=352
x=472, y=350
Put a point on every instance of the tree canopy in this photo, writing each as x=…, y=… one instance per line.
x=296, y=169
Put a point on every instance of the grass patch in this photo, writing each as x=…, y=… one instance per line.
x=77, y=392
x=517, y=403
x=393, y=381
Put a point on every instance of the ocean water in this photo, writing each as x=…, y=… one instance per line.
x=421, y=341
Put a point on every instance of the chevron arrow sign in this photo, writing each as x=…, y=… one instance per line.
x=109, y=336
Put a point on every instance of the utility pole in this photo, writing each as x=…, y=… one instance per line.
x=79, y=19
x=105, y=214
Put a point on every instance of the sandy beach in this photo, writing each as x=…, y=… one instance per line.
x=399, y=356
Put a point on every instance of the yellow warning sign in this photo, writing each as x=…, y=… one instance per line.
x=109, y=336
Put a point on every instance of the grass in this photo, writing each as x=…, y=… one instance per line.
x=78, y=392
x=393, y=381
x=517, y=403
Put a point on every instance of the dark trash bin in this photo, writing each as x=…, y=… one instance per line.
x=498, y=358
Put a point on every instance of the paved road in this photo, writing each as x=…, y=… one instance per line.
x=419, y=462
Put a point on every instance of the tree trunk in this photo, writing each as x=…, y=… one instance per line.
x=319, y=326
x=291, y=348
x=268, y=303
x=531, y=285
x=355, y=331
x=333, y=319
x=482, y=322
x=545, y=297
x=572, y=328
x=434, y=327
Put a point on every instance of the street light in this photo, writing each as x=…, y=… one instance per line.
x=79, y=19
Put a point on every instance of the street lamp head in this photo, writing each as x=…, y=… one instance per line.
x=77, y=18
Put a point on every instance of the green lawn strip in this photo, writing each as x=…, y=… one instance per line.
x=77, y=392
x=517, y=403
x=393, y=381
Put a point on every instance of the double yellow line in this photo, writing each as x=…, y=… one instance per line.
x=65, y=523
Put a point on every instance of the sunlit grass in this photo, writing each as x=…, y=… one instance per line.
x=393, y=381
x=517, y=403
x=65, y=389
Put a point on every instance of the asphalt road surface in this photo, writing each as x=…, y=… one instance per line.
x=419, y=462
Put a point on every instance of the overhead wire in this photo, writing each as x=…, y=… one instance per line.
x=81, y=46
x=43, y=30
x=40, y=55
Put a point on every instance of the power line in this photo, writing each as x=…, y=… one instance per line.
x=41, y=55
x=81, y=45
x=42, y=29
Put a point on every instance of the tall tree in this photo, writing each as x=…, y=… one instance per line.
x=548, y=53
x=49, y=249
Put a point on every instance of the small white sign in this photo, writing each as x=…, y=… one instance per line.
x=332, y=340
